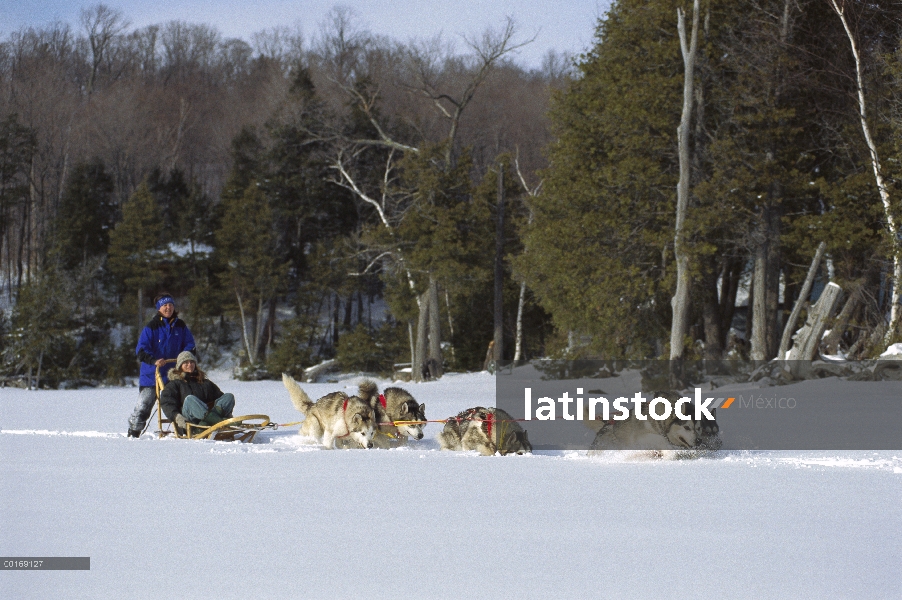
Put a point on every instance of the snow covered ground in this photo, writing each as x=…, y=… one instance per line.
x=277, y=519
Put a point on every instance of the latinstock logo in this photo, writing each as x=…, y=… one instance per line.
x=659, y=409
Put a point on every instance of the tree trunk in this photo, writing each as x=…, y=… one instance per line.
x=518, y=346
x=809, y=337
x=450, y=325
x=758, y=339
x=789, y=328
x=729, y=287
x=419, y=355
x=499, y=269
x=37, y=383
x=244, y=334
x=335, y=309
x=680, y=301
x=265, y=340
x=711, y=313
x=766, y=285
x=435, y=362
x=772, y=279
x=832, y=339
x=349, y=312
x=413, y=348
x=259, y=324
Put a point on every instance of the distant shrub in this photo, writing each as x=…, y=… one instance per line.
x=371, y=352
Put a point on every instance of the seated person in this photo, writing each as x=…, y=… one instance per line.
x=190, y=397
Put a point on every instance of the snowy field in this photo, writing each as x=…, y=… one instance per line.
x=278, y=519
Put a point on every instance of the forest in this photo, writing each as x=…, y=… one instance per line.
x=343, y=195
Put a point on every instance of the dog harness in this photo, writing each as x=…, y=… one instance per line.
x=344, y=417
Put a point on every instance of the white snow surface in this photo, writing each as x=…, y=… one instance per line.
x=167, y=518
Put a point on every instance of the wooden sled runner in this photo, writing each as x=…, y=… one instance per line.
x=236, y=429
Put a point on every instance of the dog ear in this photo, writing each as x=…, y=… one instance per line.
x=404, y=408
x=421, y=410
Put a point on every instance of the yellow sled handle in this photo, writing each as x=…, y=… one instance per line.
x=159, y=378
x=159, y=388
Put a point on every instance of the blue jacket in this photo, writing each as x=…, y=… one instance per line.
x=162, y=339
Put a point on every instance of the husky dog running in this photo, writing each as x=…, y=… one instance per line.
x=659, y=438
x=335, y=416
x=487, y=430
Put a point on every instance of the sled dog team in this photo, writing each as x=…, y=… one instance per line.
x=373, y=420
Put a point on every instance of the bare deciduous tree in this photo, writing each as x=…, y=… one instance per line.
x=101, y=24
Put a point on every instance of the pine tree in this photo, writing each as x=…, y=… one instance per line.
x=41, y=318
x=85, y=215
x=597, y=250
x=137, y=246
x=251, y=270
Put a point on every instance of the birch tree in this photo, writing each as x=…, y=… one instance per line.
x=839, y=7
x=680, y=300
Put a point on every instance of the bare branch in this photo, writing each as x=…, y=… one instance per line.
x=370, y=265
x=532, y=192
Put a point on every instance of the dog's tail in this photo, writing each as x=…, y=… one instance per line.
x=367, y=391
x=299, y=397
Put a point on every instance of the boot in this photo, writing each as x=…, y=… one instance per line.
x=135, y=433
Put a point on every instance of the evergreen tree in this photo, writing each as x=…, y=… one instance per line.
x=251, y=270
x=597, y=250
x=307, y=208
x=41, y=318
x=137, y=246
x=85, y=215
x=171, y=192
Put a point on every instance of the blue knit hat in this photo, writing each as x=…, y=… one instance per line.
x=165, y=300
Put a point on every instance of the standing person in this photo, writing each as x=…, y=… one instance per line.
x=190, y=397
x=164, y=337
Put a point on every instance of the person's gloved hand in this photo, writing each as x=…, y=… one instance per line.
x=180, y=422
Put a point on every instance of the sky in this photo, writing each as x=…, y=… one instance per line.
x=563, y=25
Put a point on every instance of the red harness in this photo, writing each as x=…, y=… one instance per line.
x=344, y=410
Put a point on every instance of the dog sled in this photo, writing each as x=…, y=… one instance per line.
x=236, y=429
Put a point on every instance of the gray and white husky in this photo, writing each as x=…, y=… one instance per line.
x=335, y=416
x=391, y=406
x=487, y=430
x=672, y=437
